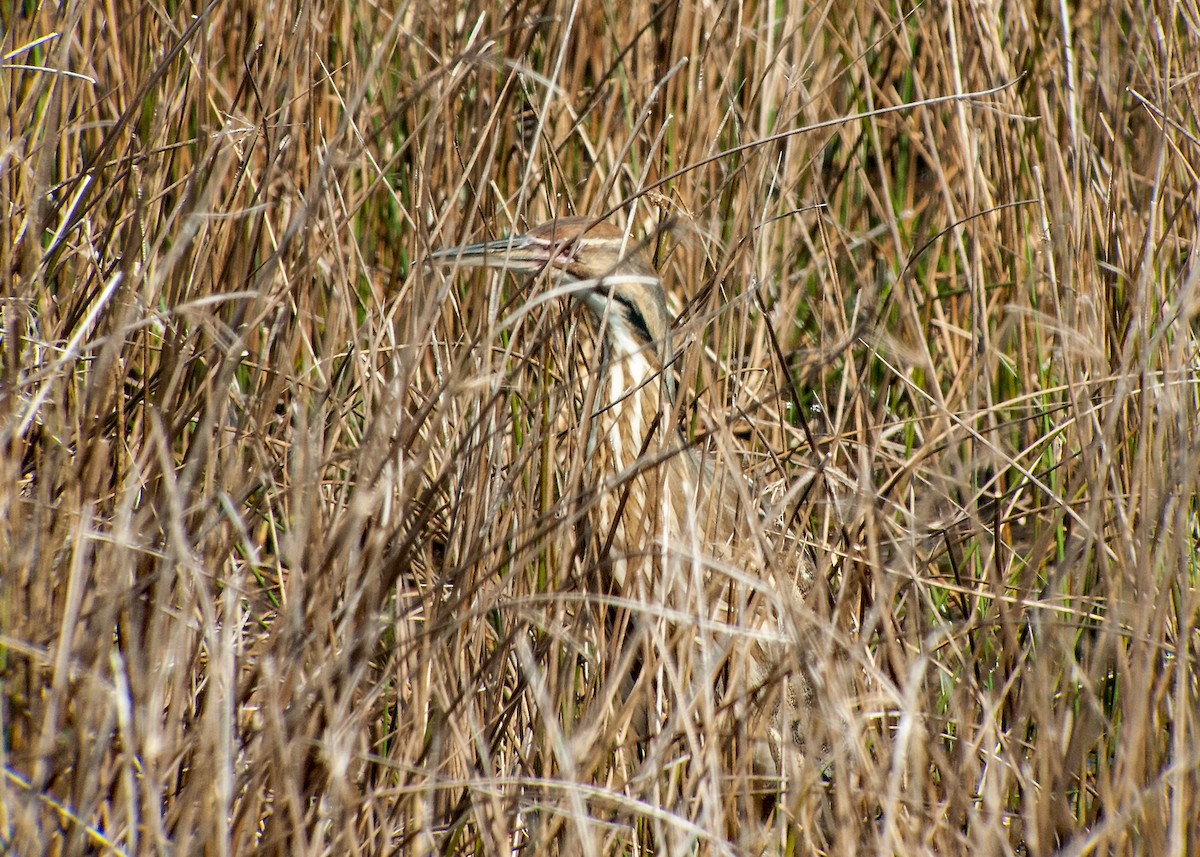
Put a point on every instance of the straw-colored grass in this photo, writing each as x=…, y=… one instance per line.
x=290, y=557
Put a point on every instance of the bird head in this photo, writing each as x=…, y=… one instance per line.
x=600, y=267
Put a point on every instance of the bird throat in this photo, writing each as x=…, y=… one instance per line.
x=629, y=415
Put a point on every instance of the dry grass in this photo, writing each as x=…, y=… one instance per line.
x=289, y=558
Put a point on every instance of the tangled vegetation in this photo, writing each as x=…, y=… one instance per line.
x=287, y=559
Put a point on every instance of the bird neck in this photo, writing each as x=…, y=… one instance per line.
x=635, y=392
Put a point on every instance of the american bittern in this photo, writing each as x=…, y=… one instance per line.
x=660, y=508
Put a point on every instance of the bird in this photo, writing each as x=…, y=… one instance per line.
x=611, y=276
x=664, y=513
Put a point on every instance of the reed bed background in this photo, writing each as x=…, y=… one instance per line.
x=286, y=557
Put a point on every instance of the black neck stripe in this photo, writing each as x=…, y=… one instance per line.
x=635, y=318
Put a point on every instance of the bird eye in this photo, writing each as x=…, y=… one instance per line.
x=567, y=253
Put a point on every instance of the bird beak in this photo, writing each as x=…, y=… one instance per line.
x=519, y=253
